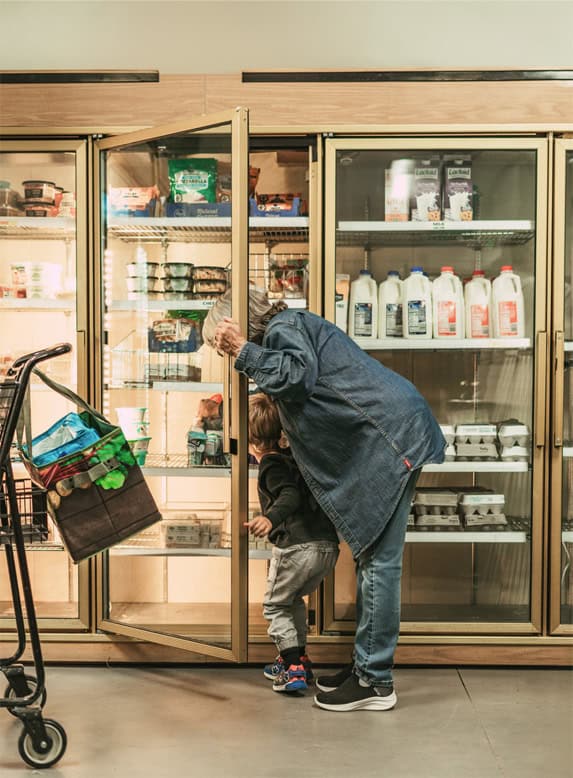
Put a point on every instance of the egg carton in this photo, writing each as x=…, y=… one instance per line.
x=515, y=454
x=491, y=521
x=411, y=520
x=476, y=433
x=514, y=435
x=450, y=453
x=449, y=433
x=476, y=451
x=482, y=504
x=435, y=502
x=427, y=521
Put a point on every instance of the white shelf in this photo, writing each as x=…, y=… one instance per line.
x=568, y=452
x=186, y=386
x=37, y=228
x=438, y=344
x=33, y=304
x=212, y=229
x=478, y=467
x=568, y=345
x=145, y=305
x=438, y=536
x=176, y=467
x=567, y=536
x=476, y=233
x=127, y=550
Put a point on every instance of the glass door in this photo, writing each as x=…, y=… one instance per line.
x=174, y=238
x=561, y=528
x=43, y=301
x=436, y=265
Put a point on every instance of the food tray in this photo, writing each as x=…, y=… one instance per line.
x=476, y=433
x=514, y=435
x=178, y=269
x=142, y=269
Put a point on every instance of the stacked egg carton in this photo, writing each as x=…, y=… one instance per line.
x=436, y=509
x=476, y=442
x=515, y=442
x=482, y=510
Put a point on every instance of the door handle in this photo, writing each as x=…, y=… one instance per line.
x=540, y=379
x=226, y=404
x=558, y=379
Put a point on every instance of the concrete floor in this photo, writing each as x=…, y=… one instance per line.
x=227, y=723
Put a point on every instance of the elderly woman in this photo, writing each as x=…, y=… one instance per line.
x=360, y=434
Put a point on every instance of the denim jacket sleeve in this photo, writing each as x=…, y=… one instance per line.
x=286, y=366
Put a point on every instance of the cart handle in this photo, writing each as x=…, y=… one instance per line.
x=40, y=356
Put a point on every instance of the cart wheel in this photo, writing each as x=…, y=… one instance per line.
x=10, y=694
x=55, y=752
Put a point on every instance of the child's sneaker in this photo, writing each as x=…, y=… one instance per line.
x=273, y=670
x=291, y=680
x=307, y=664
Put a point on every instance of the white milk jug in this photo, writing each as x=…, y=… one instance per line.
x=417, y=305
x=363, y=307
x=507, y=303
x=478, y=306
x=390, y=307
x=448, y=298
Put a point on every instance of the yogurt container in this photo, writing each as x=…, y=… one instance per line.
x=40, y=191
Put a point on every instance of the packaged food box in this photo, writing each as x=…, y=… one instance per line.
x=396, y=196
x=449, y=432
x=275, y=205
x=515, y=453
x=484, y=504
x=179, y=210
x=458, y=190
x=476, y=451
x=182, y=532
x=514, y=435
x=476, y=433
x=193, y=180
x=133, y=200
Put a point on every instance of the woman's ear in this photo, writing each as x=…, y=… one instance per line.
x=283, y=441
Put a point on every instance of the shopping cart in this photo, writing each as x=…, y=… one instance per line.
x=23, y=518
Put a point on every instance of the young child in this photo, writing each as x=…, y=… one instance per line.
x=305, y=545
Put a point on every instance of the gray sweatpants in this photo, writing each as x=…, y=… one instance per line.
x=294, y=572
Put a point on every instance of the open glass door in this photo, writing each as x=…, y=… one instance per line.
x=174, y=237
x=561, y=599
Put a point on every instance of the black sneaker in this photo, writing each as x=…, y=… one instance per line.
x=351, y=695
x=328, y=683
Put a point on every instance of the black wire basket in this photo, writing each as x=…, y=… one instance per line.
x=33, y=510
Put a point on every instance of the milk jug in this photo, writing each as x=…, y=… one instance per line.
x=417, y=305
x=363, y=308
x=507, y=303
x=478, y=306
x=390, y=307
x=448, y=298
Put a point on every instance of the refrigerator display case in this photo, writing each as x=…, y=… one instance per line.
x=472, y=561
x=187, y=213
x=43, y=294
x=561, y=515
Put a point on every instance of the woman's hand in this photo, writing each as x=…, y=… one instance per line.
x=260, y=526
x=228, y=337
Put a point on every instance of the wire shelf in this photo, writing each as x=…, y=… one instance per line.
x=478, y=234
x=37, y=228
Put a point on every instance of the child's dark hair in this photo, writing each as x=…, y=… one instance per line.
x=264, y=422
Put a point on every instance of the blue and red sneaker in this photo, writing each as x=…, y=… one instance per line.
x=291, y=680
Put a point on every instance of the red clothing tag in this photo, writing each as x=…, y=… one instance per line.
x=408, y=464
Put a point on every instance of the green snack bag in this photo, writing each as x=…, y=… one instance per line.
x=193, y=180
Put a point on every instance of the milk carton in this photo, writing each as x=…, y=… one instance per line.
x=478, y=306
x=417, y=303
x=458, y=190
x=341, y=300
x=448, y=300
x=398, y=179
x=363, y=308
x=508, y=305
x=390, y=307
x=426, y=195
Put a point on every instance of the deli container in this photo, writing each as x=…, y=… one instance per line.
x=482, y=504
x=449, y=432
x=514, y=435
x=209, y=286
x=178, y=269
x=476, y=433
x=38, y=210
x=9, y=198
x=206, y=272
x=140, y=285
x=39, y=191
x=177, y=284
x=143, y=269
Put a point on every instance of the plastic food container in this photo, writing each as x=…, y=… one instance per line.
x=178, y=269
x=143, y=269
x=9, y=197
x=136, y=284
x=209, y=272
x=129, y=414
x=476, y=433
x=40, y=191
x=37, y=210
x=209, y=286
x=177, y=284
x=514, y=435
x=449, y=432
x=134, y=430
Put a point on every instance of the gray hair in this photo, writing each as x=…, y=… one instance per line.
x=261, y=311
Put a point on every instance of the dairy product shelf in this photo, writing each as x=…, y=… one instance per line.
x=186, y=386
x=490, y=466
x=146, y=304
x=176, y=465
x=37, y=227
x=33, y=304
x=213, y=229
x=463, y=536
x=127, y=550
x=438, y=344
x=476, y=234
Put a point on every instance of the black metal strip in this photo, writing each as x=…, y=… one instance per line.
x=78, y=77
x=389, y=76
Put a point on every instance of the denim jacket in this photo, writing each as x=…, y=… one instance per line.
x=356, y=429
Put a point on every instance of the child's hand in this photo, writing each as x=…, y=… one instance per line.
x=260, y=526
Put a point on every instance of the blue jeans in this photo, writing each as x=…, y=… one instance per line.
x=378, y=574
